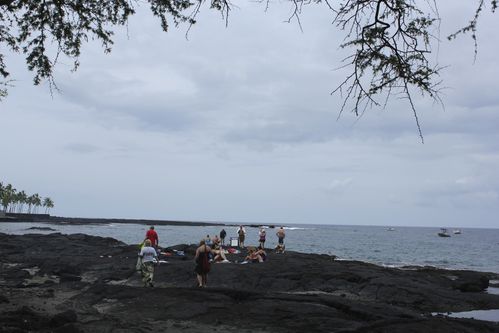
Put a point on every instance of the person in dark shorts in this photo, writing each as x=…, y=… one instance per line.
x=261, y=237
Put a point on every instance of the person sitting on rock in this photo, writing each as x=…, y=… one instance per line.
x=253, y=256
x=261, y=252
x=219, y=256
x=149, y=258
x=280, y=248
x=215, y=242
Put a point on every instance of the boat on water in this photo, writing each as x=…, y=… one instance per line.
x=443, y=233
x=457, y=231
x=390, y=229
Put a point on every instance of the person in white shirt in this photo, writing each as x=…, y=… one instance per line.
x=149, y=258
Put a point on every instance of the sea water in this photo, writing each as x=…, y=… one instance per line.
x=474, y=249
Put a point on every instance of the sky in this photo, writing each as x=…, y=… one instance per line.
x=237, y=123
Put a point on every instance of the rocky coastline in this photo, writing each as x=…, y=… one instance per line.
x=82, y=283
x=46, y=218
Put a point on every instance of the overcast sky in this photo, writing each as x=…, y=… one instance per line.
x=237, y=124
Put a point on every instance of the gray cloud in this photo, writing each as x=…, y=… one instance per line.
x=337, y=186
x=242, y=117
x=81, y=148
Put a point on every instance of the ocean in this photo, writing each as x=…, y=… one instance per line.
x=473, y=249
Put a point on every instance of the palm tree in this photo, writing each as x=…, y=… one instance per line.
x=48, y=203
x=13, y=201
x=2, y=191
x=7, y=196
x=22, y=197
x=30, y=201
x=37, y=202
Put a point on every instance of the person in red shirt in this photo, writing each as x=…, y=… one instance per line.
x=153, y=237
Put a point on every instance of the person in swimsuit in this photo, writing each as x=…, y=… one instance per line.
x=202, y=263
x=253, y=255
x=280, y=236
x=219, y=256
x=262, y=234
x=215, y=242
x=261, y=251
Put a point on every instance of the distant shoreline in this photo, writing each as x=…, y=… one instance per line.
x=46, y=218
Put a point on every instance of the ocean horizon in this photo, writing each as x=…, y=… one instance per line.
x=391, y=246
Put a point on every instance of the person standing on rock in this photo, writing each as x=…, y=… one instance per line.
x=223, y=233
x=149, y=258
x=152, y=235
x=280, y=236
x=202, y=263
x=241, y=235
x=261, y=235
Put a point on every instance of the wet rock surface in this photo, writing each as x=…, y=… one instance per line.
x=81, y=283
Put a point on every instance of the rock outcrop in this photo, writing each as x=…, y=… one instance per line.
x=81, y=283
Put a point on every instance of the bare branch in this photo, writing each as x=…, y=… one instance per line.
x=390, y=50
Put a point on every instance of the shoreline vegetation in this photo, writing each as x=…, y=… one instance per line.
x=14, y=201
x=82, y=283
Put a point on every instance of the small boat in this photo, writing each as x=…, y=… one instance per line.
x=390, y=229
x=457, y=231
x=443, y=233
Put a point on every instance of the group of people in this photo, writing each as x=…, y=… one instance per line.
x=209, y=250
x=262, y=235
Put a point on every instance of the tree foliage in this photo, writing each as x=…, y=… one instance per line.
x=390, y=40
x=14, y=201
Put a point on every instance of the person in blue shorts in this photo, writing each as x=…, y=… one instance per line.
x=280, y=235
